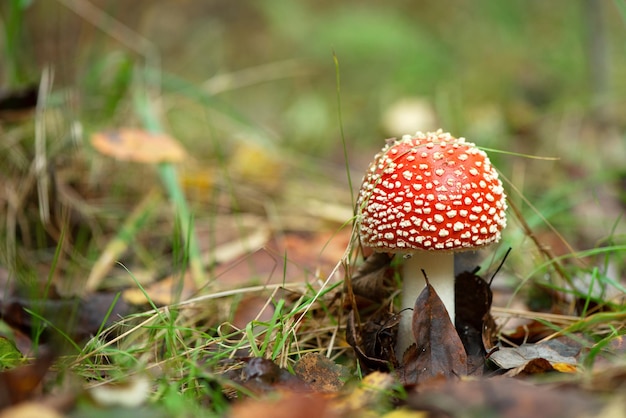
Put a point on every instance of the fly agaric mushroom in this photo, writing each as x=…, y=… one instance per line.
x=426, y=196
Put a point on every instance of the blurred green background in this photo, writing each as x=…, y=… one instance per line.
x=485, y=67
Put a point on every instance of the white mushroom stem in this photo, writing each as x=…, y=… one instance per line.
x=439, y=268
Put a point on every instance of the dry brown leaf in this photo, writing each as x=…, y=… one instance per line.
x=288, y=405
x=373, y=341
x=87, y=314
x=24, y=382
x=533, y=366
x=503, y=397
x=137, y=145
x=438, y=352
x=321, y=373
x=474, y=322
x=370, y=279
x=260, y=375
x=373, y=389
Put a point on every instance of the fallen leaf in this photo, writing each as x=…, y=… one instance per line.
x=261, y=375
x=373, y=342
x=474, y=323
x=533, y=366
x=473, y=301
x=369, y=280
x=438, y=351
x=79, y=318
x=372, y=391
x=140, y=146
x=503, y=397
x=287, y=405
x=22, y=383
x=321, y=373
x=536, y=358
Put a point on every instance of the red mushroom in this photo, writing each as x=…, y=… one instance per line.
x=426, y=196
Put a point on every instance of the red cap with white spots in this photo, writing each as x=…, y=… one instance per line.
x=430, y=191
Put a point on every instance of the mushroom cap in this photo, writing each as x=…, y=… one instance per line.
x=430, y=191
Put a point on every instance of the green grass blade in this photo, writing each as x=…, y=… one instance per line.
x=169, y=177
